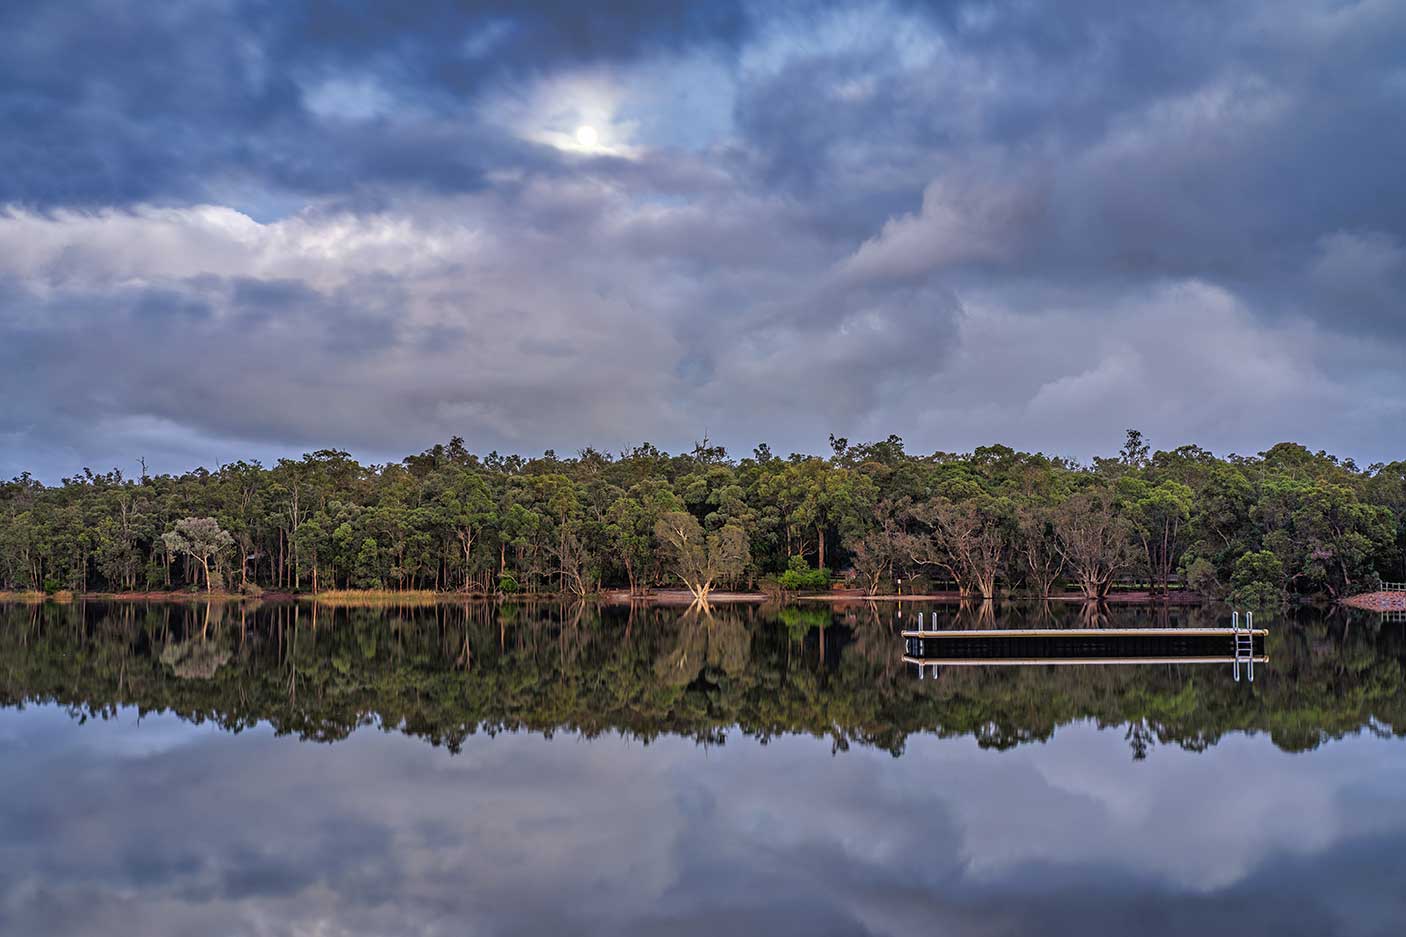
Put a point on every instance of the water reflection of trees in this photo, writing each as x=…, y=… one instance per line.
x=449, y=671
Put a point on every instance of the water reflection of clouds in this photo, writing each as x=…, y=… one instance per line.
x=124, y=733
x=381, y=834
x=1199, y=821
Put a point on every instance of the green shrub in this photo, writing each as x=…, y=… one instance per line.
x=506, y=583
x=799, y=577
x=1258, y=580
x=1201, y=577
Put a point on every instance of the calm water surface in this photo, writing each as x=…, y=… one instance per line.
x=181, y=770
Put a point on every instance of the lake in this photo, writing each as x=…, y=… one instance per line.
x=180, y=769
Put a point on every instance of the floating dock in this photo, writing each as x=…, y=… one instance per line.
x=1086, y=632
x=1067, y=661
x=1032, y=647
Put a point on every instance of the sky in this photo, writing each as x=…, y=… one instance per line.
x=117, y=827
x=253, y=229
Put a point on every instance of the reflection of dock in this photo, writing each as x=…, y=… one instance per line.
x=1084, y=632
x=1057, y=661
x=1011, y=647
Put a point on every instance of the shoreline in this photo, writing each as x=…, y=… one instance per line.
x=663, y=598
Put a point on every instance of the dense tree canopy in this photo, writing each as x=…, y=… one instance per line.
x=985, y=522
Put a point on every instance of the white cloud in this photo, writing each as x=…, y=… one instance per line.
x=962, y=221
x=1356, y=260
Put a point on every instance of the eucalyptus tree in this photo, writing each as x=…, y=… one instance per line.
x=969, y=540
x=1325, y=536
x=470, y=510
x=313, y=541
x=1041, y=559
x=200, y=538
x=1159, y=516
x=1387, y=488
x=701, y=560
x=244, y=501
x=876, y=554
x=631, y=519
x=1094, y=539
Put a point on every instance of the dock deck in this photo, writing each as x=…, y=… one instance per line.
x=1034, y=647
x=1242, y=648
x=1076, y=661
x=1169, y=633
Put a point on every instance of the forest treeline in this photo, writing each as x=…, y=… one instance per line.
x=992, y=521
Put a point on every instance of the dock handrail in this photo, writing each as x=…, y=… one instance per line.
x=1244, y=644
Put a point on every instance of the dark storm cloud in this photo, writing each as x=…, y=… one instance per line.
x=112, y=103
x=1174, y=140
x=243, y=227
x=168, y=341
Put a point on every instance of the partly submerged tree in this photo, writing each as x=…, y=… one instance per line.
x=200, y=538
x=969, y=540
x=1039, y=549
x=1094, y=539
x=874, y=556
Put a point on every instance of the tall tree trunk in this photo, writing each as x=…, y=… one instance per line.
x=986, y=582
x=466, y=538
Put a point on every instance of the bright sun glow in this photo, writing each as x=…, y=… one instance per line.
x=586, y=135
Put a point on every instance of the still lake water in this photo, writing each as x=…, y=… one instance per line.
x=549, y=770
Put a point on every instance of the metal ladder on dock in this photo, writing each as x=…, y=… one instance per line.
x=1244, y=645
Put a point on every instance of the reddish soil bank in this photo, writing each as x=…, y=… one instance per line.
x=181, y=596
x=1379, y=601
